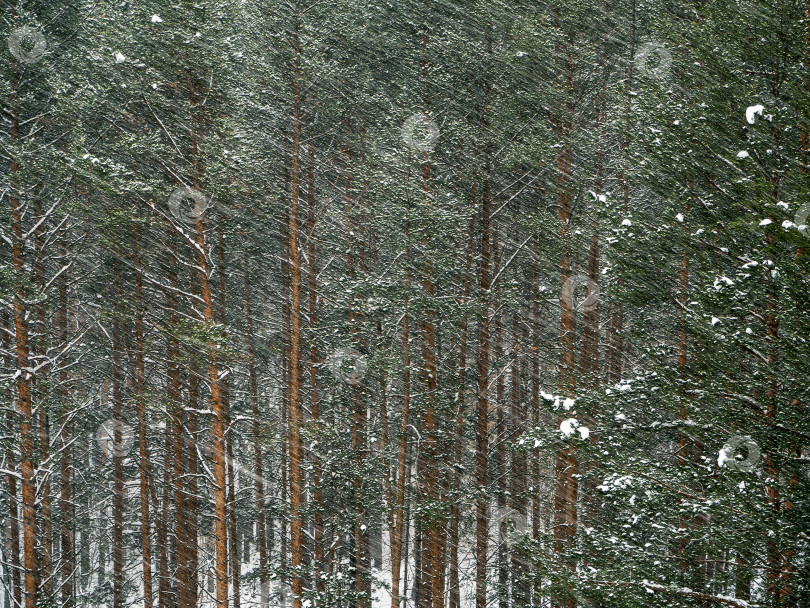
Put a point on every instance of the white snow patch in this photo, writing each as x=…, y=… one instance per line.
x=742, y=154
x=568, y=404
x=715, y=321
x=788, y=224
x=679, y=217
x=584, y=432
x=719, y=280
x=119, y=57
x=567, y=426
x=627, y=223
x=752, y=111
x=156, y=19
x=766, y=222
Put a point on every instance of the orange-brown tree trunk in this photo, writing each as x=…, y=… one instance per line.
x=535, y=401
x=455, y=513
x=400, y=515
x=233, y=537
x=117, y=452
x=499, y=456
x=517, y=478
x=183, y=574
x=66, y=533
x=175, y=441
x=192, y=517
x=13, y=503
x=314, y=362
x=434, y=552
x=482, y=409
x=616, y=324
x=258, y=466
x=165, y=599
x=144, y=467
x=217, y=407
x=14, y=521
x=41, y=389
x=24, y=375
x=566, y=467
x=297, y=500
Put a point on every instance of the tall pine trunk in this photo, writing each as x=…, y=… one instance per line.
x=400, y=516
x=297, y=500
x=217, y=407
x=567, y=468
x=482, y=409
x=144, y=466
x=117, y=452
x=314, y=363
x=67, y=534
x=24, y=376
x=233, y=538
x=258, y=466
x=455, y=514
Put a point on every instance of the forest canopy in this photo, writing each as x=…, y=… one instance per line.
x=429, y=304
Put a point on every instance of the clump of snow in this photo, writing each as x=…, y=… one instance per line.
x=715, y=321
x=521, y=54
x=679, y=217
x=752, y=111
x=719, y=280
x=766, y=222
x=722, y=456
x=788, y=224
x=567, y=426
x=156, y=19
x=568, y=404
x=627, y=223
x=742, y=154
x=119, y=57
x=584, y=432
